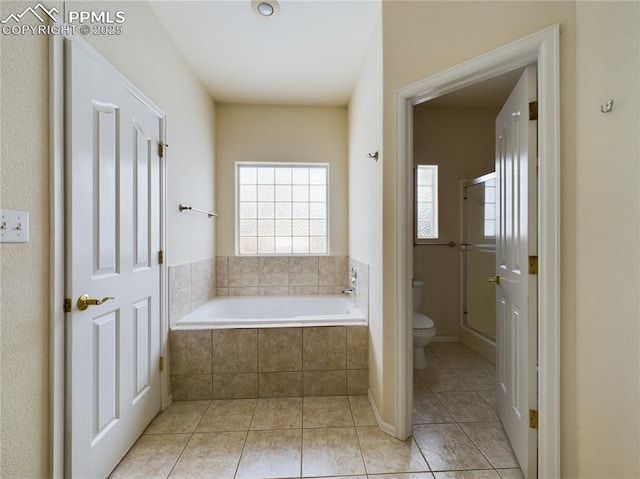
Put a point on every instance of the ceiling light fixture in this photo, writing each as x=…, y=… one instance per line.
x=265, y=8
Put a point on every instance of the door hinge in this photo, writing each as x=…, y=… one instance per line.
x=533, y=265
x=161, y=148
x=160, y=257
x=67, y=305
x=533, y=418
x=161, y=363
x=533, y=110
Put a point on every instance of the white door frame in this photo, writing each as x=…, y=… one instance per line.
x=541, y=48
x=57, y=247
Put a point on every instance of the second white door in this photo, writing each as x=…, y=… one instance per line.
x=516, y=292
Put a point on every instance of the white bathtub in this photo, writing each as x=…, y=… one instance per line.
x=274, y=312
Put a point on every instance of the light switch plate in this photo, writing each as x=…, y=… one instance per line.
x=14, y=226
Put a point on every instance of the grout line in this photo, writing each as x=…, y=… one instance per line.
x=180, y=455
x=364, y=462
x=246, y=436
x=253, y=415
x=301, y=446
x=189, y=441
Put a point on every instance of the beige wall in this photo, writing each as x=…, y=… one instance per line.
x=606, y=372
x=148, y=58
x=24, y=267
x=365, y=196
x=461, y=142
x=281, y=134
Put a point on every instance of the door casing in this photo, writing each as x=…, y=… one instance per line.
x=57, y=246
x=540, y=48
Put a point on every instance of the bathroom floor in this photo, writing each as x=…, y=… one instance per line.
x=457, y=434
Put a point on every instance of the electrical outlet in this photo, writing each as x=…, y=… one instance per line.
x=14, y=226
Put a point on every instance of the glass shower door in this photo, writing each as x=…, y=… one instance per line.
x=478, y=256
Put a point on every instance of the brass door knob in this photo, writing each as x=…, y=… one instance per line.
x=85, y=301
x=494, y=279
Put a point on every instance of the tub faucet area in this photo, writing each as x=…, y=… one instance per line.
x=349, y=290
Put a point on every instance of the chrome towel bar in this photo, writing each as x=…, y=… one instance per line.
x=450, y=244
x=182, y=207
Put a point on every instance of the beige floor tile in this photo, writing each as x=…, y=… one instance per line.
x=434, y=362
x=478, y=379
x=467, y=406
x=228, y=415
x=361, y=411
x=331, y=452
x=489, y=397
x=511, y=473
x=465, y=360
x=384, y=453
x=210, y=456
x=444, y=347
x=151, y=457
x=406, y=475
x=447, y=447
x=428, y=409
x=488, y=474
x=442, y=380
x=271, y=454
x=492, y=442
x=419, y=385
x=277, y=413
x=179, y=417
x=326, y=411
x=341, y=477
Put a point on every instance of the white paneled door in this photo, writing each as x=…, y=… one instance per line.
x=516, y=290
x=113, y=237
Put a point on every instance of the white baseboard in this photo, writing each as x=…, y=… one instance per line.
x=385, y=426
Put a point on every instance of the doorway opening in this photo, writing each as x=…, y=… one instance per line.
x=540, y=49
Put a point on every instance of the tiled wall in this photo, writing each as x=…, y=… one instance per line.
x=193, y=284
x=270, y=362
x=362, y=287
x=190, y=286
x=274, y=275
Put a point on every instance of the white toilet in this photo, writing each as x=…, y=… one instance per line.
x=423, y=328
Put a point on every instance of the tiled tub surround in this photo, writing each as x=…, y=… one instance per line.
x=276, y=275
x=237, y=312
x=270, y=362
x=193, y=284
x=362, y=286
x=190, y=286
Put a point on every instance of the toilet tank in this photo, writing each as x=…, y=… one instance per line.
x=417, y=295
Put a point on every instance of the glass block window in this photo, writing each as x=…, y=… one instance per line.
x=426, y=202
x=282, y=208
x=490, y=208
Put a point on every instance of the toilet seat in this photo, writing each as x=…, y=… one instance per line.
x=422, y=322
